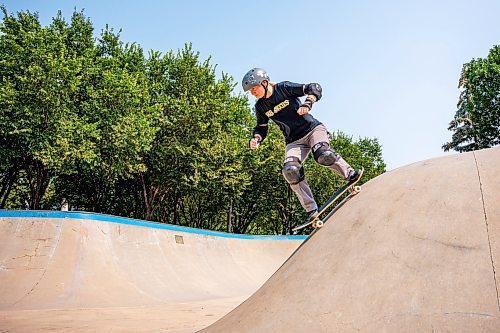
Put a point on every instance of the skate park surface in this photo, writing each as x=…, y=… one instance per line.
x=416, y=251
x=78, y=272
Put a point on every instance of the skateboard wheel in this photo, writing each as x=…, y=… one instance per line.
x=357, y=189
x=319, y=224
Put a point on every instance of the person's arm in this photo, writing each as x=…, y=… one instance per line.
x=313, y=94
x=312, y=91
x=260, y=131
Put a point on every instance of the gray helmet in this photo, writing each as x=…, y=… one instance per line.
x=253, y=78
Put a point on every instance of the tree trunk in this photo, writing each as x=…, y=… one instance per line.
x=148, y=196
x=7, y=184
x=38, y=179
x=229, y=216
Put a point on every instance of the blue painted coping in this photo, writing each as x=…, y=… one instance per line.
x=129, y=221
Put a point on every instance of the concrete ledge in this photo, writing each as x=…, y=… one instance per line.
x=136, y=222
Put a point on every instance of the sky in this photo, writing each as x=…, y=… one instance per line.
x=389, y=69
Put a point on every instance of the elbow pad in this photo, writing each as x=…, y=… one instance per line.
x=313, y=89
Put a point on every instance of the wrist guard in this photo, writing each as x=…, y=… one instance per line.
x=308, y=103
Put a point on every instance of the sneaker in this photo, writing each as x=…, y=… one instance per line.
x=354, y=175
x=312, y=214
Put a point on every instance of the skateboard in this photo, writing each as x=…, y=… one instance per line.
x=316, y=222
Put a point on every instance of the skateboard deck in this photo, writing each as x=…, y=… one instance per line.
x=316, y=222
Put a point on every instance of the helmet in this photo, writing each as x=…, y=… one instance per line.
x=254, y=77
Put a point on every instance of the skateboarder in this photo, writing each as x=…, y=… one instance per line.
x=303, y=133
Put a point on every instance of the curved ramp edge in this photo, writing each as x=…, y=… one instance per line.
x=417, y=250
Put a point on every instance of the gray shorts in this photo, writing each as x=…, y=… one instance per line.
x=300, y=149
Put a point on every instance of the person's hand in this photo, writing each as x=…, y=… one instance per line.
x=303, y=110
x=305, y=107
x=254, y=143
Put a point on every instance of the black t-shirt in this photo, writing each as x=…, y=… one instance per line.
x=282, y=108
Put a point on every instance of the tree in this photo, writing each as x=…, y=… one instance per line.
x=266, y=204
x=114, y=100
x=476, y=124
x=37, y=73
x=193, y=168
x=69, y=105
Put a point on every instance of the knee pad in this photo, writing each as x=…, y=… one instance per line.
x=293, y=171
x=324, y=155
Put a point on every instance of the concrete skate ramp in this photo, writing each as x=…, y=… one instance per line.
x=89, y=272
x=418, y=250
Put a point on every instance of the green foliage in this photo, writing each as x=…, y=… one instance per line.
x=476, y=124
x=196, y=152
x=68, y=104
x=96, y=123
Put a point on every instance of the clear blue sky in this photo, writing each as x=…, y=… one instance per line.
x=389, y=69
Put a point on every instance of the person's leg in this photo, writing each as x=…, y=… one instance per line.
x=326, y=155
x=293, y=172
